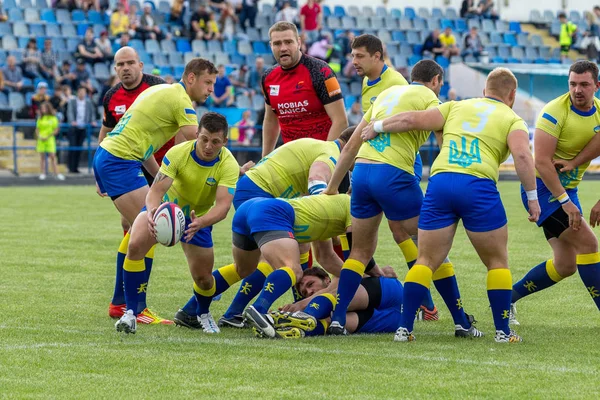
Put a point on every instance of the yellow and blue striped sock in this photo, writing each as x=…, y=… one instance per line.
x=134, y=275
x=148, y=260
x=350, y=277
x=540, y=277
x=445, y=283
x=277, y=283
x=321, y=328
x=499, y=288
x=416, y=286
x=119, y=292
x=249, y=288
x=223, y=278
x=321, y=306
x=588, y=266
x=344, y=242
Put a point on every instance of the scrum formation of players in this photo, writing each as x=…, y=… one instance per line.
x=288, y=208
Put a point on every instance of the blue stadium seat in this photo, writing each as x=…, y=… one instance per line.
x=396, y=13
x=410, y=13
x=474, y=23
x=503, y=52
x=353, y=11
x=515, y=27
x=16, y=101
x=145, y=57
x=437, y=13
x=244, y=47
x=398, y=36
x=81, y=28
x=214, y=46
x=423, y=12
x=532, y=53
x=5, y=29
x=152, y=46
x=502, y=26
x=412, y=60
x=390, y=22
x=31, y=15
x=512, y=60
x=412, y=37
x=243, y=101
x=3, y=100
x=65, y=56
x=363, y=22
x=41, y=4
x=101, y=71
x=556, y=52
x=417, y=48
x=198, y=46
x=461, y=25
x=58, y=44
x=517, y=52
x=488, y=25
x=339, y=11
x=47, y=15
x=545, y=52
x=433, y=23
x=355, y=88
x=442, y=61
x=523, y=39
x=451, y=13
x=333, y=22
x=575, y=16
x=160, y=59
x=149, y=68
x=95, y=17
x=230, y=47
x=400, y=61
x=63, y=16
x=25, y=4
x=536, y=40
x=68, y=30
x=183, y=46
x=8, y=4
x=253, y=34
x=367, y=11
x=15, y=15
x=393, y=48
x=222, y=58
x=98, y=29
x=262, y=21
x=447, y=23
x=540, y=61
x=168, y=46
x=137, y=44
x=376, y=22
x=37, y=30
x=496, y=38
x=166, y=70
x=237, y=59
x=535, y=16
x=20, y=28
x=260, y=48
x=72, y=44
x=164, y=7
x=419, y=24
x=555, y=28
x=491, y=50
x=406, y=24
x=381, y=11
x=17, y=54
x=510, y=39
x=498, y=60
x=22, y=41
x=549, y=16
x=555, y=61
x=78, y=16
x=406, y=49
x=326, y=11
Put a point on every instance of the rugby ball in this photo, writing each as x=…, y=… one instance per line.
x=170, y=224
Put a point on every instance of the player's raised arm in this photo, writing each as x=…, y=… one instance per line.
x=545, y=148
x=270, y=131
x=429, y=120
x=339, y=119
x=518, y=143
x=346, y=159
x=589, y=152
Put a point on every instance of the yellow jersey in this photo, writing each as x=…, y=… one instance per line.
x=284, y=172
x=195, y=181
x=398, y=149
x=447, y=40
x=372, y=89
x=320, y=217
x=573, y=129
x=475, y=137
x=153, y=118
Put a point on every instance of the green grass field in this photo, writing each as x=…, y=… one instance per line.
x=57, y=253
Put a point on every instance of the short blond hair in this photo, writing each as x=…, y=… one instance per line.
x=501, y=81
x=283, y=26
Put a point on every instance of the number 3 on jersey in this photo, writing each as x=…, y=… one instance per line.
x=469, y=152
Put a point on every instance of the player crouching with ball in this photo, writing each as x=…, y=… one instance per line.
x=200, y=177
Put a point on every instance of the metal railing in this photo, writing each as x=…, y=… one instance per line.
x=428, y=150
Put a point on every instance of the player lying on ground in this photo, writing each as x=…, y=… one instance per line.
x=478, y=135
x=297, y=168
x=200, y=177
x=567, y=128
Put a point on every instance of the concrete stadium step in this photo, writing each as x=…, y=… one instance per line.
x=547, y=39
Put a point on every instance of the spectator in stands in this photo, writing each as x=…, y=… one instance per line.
x=472, y=44
x=169, y=79
x=40, y=96
x=1, y=81
x=468, y=9
x=46, y=129
x=486, y=9
x=287, y=13
x=59, y=101
x=590, y=43
x=568, y=30
x=239, y=80
x=246, y=128
x=222, y=95
x=87, y=50
x=134, y=20
x=48, y=67
x=322, y=48
x=83, y=77
x=3, y=16
x=449, y=42
x=65, y=75
x=212, y=28
x=66, y=4
x=199, y=23
x=354, y=114
x=596, y=21
x=311, y=18
x=13, y=76
x=86, y=5
x=31, y=60
x=119, y=21
x=278, y=6
x=432, y=44
x=248, y=13
x=226, y=10
x=177, y=12
x=80, y=113
x=303, y=42
x=105, y=46
x=255, y=76
x=148, y=28
x=124, y=39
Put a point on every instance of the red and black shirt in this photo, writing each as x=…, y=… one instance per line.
x=118, y=100
x=298, y=97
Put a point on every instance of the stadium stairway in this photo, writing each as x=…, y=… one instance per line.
x=28, y=160
x=548, y=39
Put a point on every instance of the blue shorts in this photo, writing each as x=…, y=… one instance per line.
x=116, y=176
x=263, y=215
x=391, y=293
x=384, y=320
x=383, y=187
x=245, y=190
x=452, y=196
x=548, y=204
x=419, y=167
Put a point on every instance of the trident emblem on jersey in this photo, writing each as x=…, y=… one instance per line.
x=380, y=142
x=463, y=157
x=567, y=177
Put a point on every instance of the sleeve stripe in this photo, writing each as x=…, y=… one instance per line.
x=190, y=111
x=166, y=161
x=333, y=160
x=549, y=118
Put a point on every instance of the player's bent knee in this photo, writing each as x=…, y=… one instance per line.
x=565, y=269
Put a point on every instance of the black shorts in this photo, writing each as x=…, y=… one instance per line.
x=149, y=178
x=555, y=224
x=345, y=183
x=373, y=288
x=257, y=240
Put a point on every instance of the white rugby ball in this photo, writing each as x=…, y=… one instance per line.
x=170, y=224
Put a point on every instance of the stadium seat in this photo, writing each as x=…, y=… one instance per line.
x=515, y=27
x=442, y=61
x=15, y=15
x=410, y=13
x=262, y=21
x=101, y=71
x=187, y=57
x=575, y=17
x=253, y=34
x=406, y=24
x=175, y=58
x=37, y=30
x=338, y=11
x=512, y=60
x=433, y=23
x=164, y=7
x=523, y=40
x=353, y=11
x=381, y=11
x=419, y=24
x=333, y=22
x=536, y=40
x=16, y=101
x=47, y=15
x=447, y=23
x=68, y=30
x=461, y=25
x=72, y=44
x=496, y=39
x=152, y=46
x=5, y=29
x=229, y=47
x=412, y=37
x=503, y=52
x=348, y=22
x=396, y=13
x=25, y=4
x=398, y=36
x=356, y=88
x=98, y=29
x=260, y=48
x=412, y=60
x=17, y=53
x=540, y=61
x=326, y=11
x=363, y=22
x=31, y=15
x=498, y=60
x=556, y=52
x=393, y=48
x=222, y=58
x=198, y=46
x=400, y=61
x=78, y=16
x=555, y=28
x=451, y=13
x=137, y=44
x=167, y=46
x=9, y=42
x=517, y=52
x=160, y=59
x=406, y=49
x=384, y=35
x=145, y=57
x=491, y=50
x=95, y=17
x=474, y=23
x=63, y=16
x=367, y=11
x=456, y=59
x=81, y=28
x=376, y=22
x=264, y=34
x=3, y=100
x=391, y=22
x=545, y=52
x=20, y=29
x=183, y=46
x=548, y=16
x=423, y=12
x=22, y=41
x=437, y=13
x=149, y=68
x=214, y=46
x=501, y=26
x=536, y=17
x=244, y=47
x=532, y=53
x=167, y=70
x=8, y=4
x=510, y=39
x=417, y=48
x=243, y=101
x=488, y=25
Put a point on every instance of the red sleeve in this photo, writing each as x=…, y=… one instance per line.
x=324, y=81
x=109, y=120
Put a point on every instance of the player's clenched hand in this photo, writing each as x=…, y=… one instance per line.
x=534, y=210
x=297, y=306
x=563, y=165
x=151, y=223
x=595, y=215
x=368, y=132
x=574, y=215
x=193, y=227
x=99, y=191
x=244, y=168
x=329, y=191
